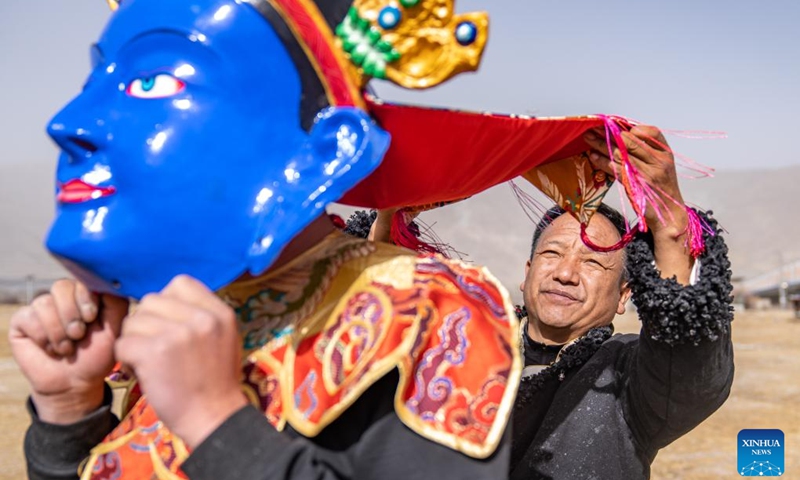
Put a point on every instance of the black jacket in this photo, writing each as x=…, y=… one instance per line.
x=609, y=403
x=367, y=442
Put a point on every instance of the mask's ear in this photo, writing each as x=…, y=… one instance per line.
x=344, y=147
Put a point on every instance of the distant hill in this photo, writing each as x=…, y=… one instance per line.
x=756, y=207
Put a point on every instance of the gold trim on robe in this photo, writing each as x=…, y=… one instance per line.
x=319, y=331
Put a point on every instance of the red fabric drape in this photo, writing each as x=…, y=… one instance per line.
x=439, y=155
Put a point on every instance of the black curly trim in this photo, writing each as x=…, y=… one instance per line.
x=520, y=311
x=360, y=222
x=676, y=314
x=571, y=357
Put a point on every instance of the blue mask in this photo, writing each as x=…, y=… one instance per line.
x=184, y=153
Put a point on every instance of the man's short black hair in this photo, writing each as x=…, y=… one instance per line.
x=611, y=214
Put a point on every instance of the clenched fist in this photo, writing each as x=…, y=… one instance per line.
x=184, y=347
x=64, y=344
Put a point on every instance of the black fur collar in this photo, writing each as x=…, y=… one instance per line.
x=573, y=355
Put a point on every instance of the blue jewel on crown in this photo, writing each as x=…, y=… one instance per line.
x=466, y=33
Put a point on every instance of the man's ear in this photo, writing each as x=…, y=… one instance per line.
x=624, y=295
x=525, y=278
x=342, y=149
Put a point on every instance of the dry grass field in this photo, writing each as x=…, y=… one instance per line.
x=765, y=395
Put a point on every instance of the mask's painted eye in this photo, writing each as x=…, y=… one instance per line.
x=158, y=86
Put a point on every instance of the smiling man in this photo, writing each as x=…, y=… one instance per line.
x=593, y=405
x=569, y=287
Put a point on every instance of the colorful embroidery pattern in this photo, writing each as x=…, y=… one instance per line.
x=269, y=308
x=573, y=184
x=448, y=328
x=140, y=447
x=432, y=389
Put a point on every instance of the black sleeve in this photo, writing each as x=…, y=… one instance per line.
x=54, y=452
x=682, y=368
x=246, y=446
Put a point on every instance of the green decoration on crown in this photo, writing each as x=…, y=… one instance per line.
x=365, y=45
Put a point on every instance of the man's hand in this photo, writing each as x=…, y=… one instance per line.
x=184, y=347
x=381, y=229
x=648, y=152
x=64, y=344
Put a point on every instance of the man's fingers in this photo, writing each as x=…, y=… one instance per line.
x=64, y=297
x=143, y=324
x=596, y=142
x=112, y=310
x=602, y=162
x=145, y=335
x=189, y=290
x=636, y=147
x=129, y=349
x=599, y=157
x=25, y=324
x=45, y=309
x=652, y=136
x=88, y=302
x=201, y=320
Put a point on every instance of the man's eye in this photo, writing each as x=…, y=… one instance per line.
x=595, y=263
x=157, y=86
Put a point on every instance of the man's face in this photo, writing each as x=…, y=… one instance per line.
x=570, y=288
x=185, y=137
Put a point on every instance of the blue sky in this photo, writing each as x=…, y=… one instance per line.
x=680, y=64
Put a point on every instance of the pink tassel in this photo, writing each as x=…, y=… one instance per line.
x=403, y=235
x=695, y=229
x=624, y=241
x=639, y=191
x=641, y=194
x=683, y=161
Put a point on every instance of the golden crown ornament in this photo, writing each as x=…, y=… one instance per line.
x=412, y=43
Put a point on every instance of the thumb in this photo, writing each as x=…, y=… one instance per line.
x=112, y=311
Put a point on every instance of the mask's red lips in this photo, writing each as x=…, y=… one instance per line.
x=78, y=191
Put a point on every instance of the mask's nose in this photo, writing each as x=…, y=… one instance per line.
x=76, y=134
